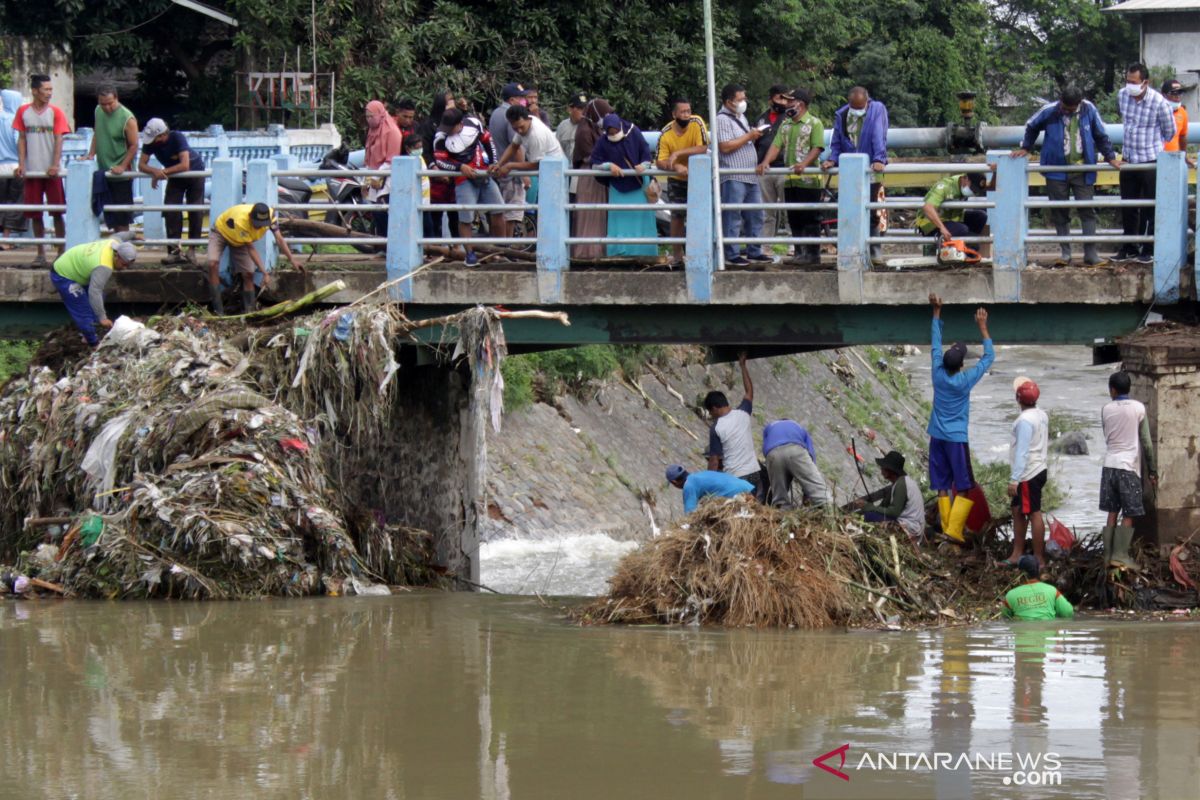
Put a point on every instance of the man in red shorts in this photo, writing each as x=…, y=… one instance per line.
x=39, y=154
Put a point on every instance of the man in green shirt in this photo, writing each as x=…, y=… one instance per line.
x=1034, y=599
x=80, y=275
x=114, y=144
x=801, y=139
x=953, y=222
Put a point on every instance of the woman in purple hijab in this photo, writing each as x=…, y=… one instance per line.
x=622, y=147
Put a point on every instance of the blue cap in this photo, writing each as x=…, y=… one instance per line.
x=675, y=472
x=512, y=90
x=1029, y=565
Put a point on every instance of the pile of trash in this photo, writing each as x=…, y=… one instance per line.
x=736, y=563
x=200, y=459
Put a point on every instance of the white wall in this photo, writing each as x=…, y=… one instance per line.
x=30, y=55
x=1174, y=40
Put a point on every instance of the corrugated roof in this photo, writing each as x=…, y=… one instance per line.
x=1154, y=6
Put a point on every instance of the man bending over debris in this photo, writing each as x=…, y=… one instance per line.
x=731, y=439
x=1127, y=435
x=699, y=485
x=80, y=275
x=1034, y=599
x=899, y=502
x=790, y=457
x=949, y=452
x=237, y=229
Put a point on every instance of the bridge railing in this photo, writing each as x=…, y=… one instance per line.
x=1008, y=207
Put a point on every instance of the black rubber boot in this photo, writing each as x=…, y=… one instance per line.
x=247, y=300
x=214, y=296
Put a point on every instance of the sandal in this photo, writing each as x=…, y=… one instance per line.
x=39, y=260
x=173, y=259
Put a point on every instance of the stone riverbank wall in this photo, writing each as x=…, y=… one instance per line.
x=593, y=462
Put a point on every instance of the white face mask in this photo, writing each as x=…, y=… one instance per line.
x=858, y=112
x=1174, y=104
x=739, y=107
x=1136, y=89
x=616, y=137
x=967, y=191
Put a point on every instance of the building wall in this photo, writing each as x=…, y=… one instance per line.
x=1174, y=40
x=30, y=55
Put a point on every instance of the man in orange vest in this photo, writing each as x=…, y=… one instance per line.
x=1173, y=91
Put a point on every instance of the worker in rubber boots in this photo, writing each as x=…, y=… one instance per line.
x=1035, y=599
x=1129, y=446
x=80, y=275
x=237, y=229
x=949, y=452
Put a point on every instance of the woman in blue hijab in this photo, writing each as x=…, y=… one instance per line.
x=622, y=147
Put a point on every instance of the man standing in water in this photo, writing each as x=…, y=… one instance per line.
x=1127, y=435
x=949, y=451
x=1034, y=599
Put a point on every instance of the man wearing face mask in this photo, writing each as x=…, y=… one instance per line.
x=861, y=126
x=1148, y=122
x=1074, y=133
x=683, y=137
x=953, y=222
x=1173, y=91
x=735, y=145
x=772, y=186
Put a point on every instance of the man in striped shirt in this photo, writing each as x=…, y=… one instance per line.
x=1148, y=122
x=735, y=143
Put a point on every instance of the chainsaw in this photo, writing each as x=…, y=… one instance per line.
x=950, y=253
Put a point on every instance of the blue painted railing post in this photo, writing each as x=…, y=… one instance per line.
x=404, y=225
x=1170, y=225
x=153, y=224
x=82, y=225
x=700, y=248
x=1009, y=223
x=226, y=192
x=261, y=187
x=854, y=225
x=552, y=229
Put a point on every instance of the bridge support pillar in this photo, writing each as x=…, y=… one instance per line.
x=404, y=226
x=553, y=227
x=1009, y=223
x=854, y=225
x=82, y=225
x=1170, y=225
x=153, y=224
x=700, y=248
x=226, y=192
x=262, y=187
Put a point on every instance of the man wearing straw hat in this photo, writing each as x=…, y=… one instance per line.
x=899, y=502
x=80, y=275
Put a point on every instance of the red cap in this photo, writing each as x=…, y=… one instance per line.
x=1028, y=393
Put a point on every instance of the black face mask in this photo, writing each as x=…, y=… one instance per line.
x=792, y=113
x=778, y=107
x=683, y=123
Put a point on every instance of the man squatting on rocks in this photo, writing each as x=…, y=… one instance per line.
x=731, y=440
x=899, y=502
x=1029, y=454
x=949, y=451
x=80, y=275
x=1127, y=436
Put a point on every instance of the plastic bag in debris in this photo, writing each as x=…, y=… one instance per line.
x=130, y=334
x=100, y=460
x=365, y=589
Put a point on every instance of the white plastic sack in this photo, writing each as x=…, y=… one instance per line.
x=100, y=460
x=130, y=334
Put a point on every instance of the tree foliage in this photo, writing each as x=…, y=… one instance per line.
x=913, y=54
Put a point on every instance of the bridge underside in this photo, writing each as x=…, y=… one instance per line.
x=786, y=311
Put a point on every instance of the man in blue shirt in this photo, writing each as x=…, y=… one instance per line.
x=699, y=485
x=790, y=457
x=949, y=452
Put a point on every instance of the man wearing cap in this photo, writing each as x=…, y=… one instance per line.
x=80, y=275
x=236, y=230
x=698, y=485
x=1172, y=90
x=898, y=502
x=790, y=455
x=565, y=132
x=949, y=452
x=512, y=190
x=1028, y=453
x=175, y=155
x=1034, y=599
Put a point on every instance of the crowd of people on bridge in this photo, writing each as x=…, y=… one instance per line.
x=787, y=475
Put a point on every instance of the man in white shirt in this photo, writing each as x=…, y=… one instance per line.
x=533, y=137
x=1127, y=436
x=1028, y=453
x=731, y=440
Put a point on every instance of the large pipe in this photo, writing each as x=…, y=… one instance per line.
x=997, y=136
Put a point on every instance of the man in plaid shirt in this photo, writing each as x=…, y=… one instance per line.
x=1148, y=122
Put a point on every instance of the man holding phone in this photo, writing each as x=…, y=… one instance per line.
x=735, y=144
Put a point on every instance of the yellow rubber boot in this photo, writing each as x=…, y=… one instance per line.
x=958, y=518
x=944, y=511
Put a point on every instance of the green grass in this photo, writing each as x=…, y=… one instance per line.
x=15, y=356
x=534, y=376
x=993, y=477
x=1065, y=422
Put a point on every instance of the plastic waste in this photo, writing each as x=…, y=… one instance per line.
x=130, y=334
x=365, y=589
x=100, y=460
x=345, y=325
x=91, y=529
x=20, y=585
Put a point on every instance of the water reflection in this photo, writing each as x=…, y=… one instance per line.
x=458, y=696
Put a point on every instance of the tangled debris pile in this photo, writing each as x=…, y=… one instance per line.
x=202, y=460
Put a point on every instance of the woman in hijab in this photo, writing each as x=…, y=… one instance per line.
x=589, y=190
x=384, y=142
x=624, y=148
x=441, y=190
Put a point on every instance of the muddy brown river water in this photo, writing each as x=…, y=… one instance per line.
x=467, y=696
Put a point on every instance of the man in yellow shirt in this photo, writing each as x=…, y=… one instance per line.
x=682, y=138
x=237, y=229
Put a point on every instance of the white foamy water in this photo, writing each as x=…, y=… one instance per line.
x=578, y=564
